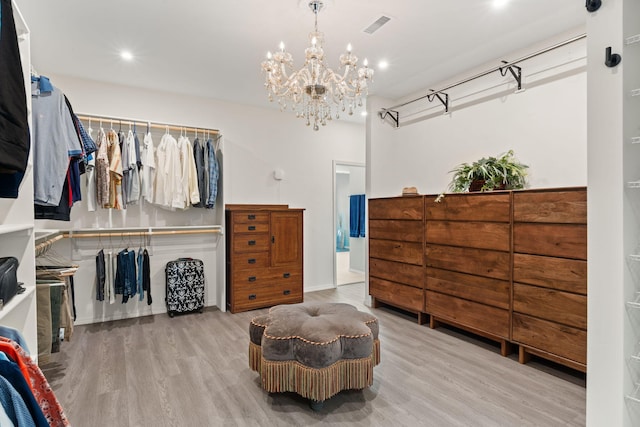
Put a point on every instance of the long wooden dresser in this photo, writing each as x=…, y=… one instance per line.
x=264, y=251
x=506, y=265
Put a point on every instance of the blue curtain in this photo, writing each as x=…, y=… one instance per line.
x=356, y=215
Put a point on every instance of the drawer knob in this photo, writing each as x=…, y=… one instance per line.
x=251, y=216
x=251, y=260
x=252, y=228
x=252, y=296
x=252, y=278
x=286, y=275
x=252, y=242
x=286, y=292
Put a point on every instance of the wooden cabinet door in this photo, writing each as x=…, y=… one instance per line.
x=286, y=238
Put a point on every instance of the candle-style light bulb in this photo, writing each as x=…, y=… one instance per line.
x=349, y=48
x=365, y=62
x=281, y=46
x=269, y=56
x=314, y=41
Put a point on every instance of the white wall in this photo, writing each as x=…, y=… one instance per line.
x=255, y=142
x=545, y=125
x=357, y=245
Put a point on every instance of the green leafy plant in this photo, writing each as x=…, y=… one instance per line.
x=504, y=172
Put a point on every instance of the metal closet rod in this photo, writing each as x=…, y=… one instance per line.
x=493, y=70
x=156, y=125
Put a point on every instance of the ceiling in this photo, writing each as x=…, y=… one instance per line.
x=214, y=48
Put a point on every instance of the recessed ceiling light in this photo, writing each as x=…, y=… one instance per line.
x=126, y=55
x=383, y=65
x=499, y=4
x=363, y=113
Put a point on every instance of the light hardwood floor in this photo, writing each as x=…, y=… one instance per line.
x=192, y=370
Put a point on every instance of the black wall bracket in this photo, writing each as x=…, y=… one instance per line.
x=593, y=5
x=611, y=59
x=394, y=115
x=444, y=100
x=517, y=74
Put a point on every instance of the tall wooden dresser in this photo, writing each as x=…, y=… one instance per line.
x=468, y=259
x=550, y=275
x=264, y=250
x=396, y=252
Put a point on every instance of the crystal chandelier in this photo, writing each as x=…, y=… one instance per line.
x=316, y=92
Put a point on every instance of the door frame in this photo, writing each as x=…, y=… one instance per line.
x=336, y=164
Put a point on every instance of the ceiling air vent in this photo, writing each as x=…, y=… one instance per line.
x=377, y=24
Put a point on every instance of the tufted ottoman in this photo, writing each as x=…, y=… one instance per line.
x=314, y=349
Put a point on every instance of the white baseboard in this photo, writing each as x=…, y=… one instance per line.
x=319, y=287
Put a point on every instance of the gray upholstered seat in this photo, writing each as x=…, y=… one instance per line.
x=315, y=350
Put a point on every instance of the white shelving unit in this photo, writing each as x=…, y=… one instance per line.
x=16, y=223
x=631, y=169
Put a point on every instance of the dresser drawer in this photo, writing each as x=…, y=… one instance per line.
x=397, y=208
x=558, y=240
x=472, y=234
x=406, y=252
x=491, y=320
x=251, y=227
x=250, y=243
x=549, y=304
x=481, y=262
x=397, y=294
x=470, y=207
x=250, y=261
x=551, y=206
x=551, y=337
x=412, y=275
x=549, y=272
x=484, y=290
x=250, y=217
x=247, y=298
x=267, y=276
x=391, y=229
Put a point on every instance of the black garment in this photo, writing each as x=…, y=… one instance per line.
x=198, y=156
x=62, y=212
x=14, y=129
x=146, y=276
x=100, y=276
x=73, y=297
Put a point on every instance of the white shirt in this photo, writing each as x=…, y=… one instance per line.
x=148, y=169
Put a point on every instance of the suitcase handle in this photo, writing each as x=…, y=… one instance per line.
x=252, y=228
x=252, y=278
x=251, y=260
x=252, y=242
x=286, y=275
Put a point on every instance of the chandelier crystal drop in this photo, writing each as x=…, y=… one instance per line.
x=316, y=92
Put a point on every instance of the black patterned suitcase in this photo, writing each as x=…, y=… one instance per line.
x=184, y=286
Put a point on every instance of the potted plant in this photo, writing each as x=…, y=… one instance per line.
x=504, y=172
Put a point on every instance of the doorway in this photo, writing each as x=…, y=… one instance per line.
x=348, y=250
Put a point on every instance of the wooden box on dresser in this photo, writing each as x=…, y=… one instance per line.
x=468, y=263
x=396, y=253
x=264, y=251
x=550, y=275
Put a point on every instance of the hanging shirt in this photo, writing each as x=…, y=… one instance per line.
x=198, y=158
x=168, y=186
x=55, y=140
x=133, y=176
x=90, y=191
x=213, y=174
x=102, y=171
x=124, y=161
x=148, y=169
x=188, y=175
x=115, y=170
